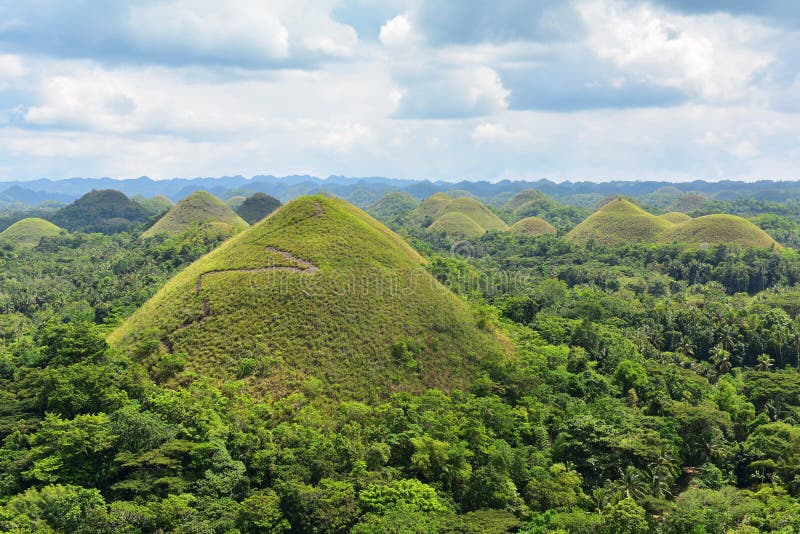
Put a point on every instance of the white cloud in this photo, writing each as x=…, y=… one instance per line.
x=714, y=57
x=344, y=137
x=211, y=29
x=397, y=31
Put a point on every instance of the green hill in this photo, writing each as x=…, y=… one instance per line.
x=28, y=232
x=321, y=290
x=456, y=225
x=619, y=221
x=532, y=226
x=715, y=229
x=257, y=206
x=441, y=203
x=105, y=211
x=524, y=197
x=154, y=205
x=392, y=204
x=198, y=208
x=675, y=217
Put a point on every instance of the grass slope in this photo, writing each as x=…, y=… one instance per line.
x=28, y=232
x=532, y=226
x=619, y=221
x=456, y=225
x=198, y=208
x=318, y=289
x=714, y=229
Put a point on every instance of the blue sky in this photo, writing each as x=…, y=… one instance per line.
x=463, y=89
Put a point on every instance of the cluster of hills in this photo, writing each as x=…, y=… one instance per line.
x=364, y=192
x=456, y=214
x=621, y=221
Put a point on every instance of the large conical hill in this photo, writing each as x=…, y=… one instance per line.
x=319, y=289
x=198, y=208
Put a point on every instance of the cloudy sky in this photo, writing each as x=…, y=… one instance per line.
x=460, y=89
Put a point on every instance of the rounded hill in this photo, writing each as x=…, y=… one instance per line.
x=718, y=229
x=532, y=226
x=28, y=232
x=456, y=225
x=317, y=290
x=198, y=208
x=392, y=204
x=104, y=210
x=676, y=217
x=619, y=221
x=524, y=197
x=441, y=203
x=256, y=207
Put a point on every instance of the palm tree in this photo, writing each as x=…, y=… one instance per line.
x=721, y=359
x=779, y=336
x=765, y=363
x=685, y=346
x=632, y=482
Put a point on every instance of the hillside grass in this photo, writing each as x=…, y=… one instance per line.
x=198, y=208
x=29, y=232
x=456, y=225
x=532, y=226
x=621, y=221
x=370, y=321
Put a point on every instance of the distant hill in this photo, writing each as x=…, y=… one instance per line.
x=257, y=206
x=674, y=217
x=198, y=208
x=28, y=232
x=713, y=229
x=534, y=203
x=105, y=211
x=392, y=204
x=456, y=225
x=236, y=201
x=524, y=197
x=620, y=221
x=155, y=205
x=319, y=290
x=532, y=226
x=441, y=203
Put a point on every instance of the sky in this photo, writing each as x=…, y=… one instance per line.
x=461, y=89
